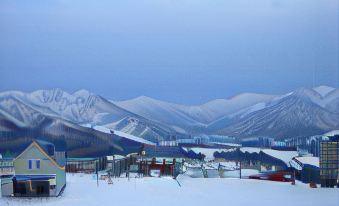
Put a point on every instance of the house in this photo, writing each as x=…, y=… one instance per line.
x=37, y=173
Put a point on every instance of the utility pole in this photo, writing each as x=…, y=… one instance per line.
x=96, y=171
x=240, y=169
x=113, y=166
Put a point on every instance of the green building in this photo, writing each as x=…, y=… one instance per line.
x=37, y=173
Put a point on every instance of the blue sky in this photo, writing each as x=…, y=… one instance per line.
x=184, y=51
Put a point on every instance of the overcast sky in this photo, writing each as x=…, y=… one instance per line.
x=184, y=51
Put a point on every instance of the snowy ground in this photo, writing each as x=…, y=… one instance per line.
x=82, y=190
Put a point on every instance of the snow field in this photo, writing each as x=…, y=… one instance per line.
x=83, y=190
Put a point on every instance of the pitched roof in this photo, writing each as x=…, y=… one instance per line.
x=42, y=150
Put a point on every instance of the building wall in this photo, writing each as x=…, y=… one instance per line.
x=308, y=175
x=6, y=187
x=310, y=144
x=46, y=167
x=329, y=163
x=6, y=167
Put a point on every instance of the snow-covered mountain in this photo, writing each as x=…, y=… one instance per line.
x=302, y=112
x=25, y=124
x=306, y=111
x=81, y=107
x=184, y=116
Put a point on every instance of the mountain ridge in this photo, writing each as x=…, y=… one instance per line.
x=242, y=115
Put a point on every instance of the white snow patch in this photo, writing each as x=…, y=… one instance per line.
x=309, y=160
x=123, y=134
x=285, y=156
x=132, y=137
x=323, y=90
x=332, y=133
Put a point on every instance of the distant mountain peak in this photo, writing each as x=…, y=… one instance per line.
x=323, y=90
x=246, y=94
x=143, y=97
x=82, y=92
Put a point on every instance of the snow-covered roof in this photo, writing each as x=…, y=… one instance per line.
x=332, y=133
x=314, y=161
x=285, y=156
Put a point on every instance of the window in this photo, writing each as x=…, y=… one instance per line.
x=37, y=164
x=33, y=164
x=30, y=164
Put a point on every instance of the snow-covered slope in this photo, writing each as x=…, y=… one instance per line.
x=157, y=110
x=302, y=112
x=81, y=107
x=122, y=134
x=185, y=116
x=323, y=90
x=306, y=111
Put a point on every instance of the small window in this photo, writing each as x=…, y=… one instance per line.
x=37, y=164
x=30, y=164
x=34, y=164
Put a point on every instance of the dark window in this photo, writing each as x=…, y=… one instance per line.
x=37, y=163
x=29, y=164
